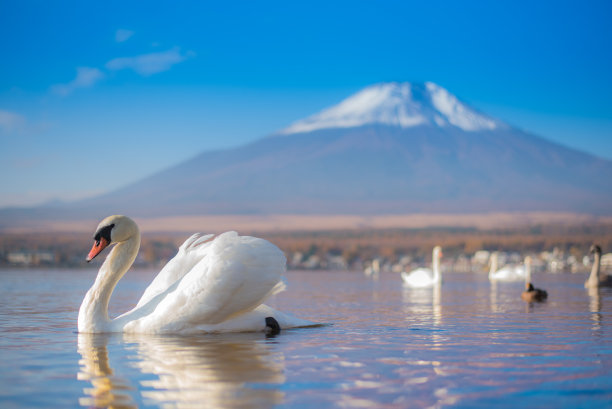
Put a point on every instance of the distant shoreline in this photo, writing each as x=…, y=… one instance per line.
x=323, y=222
x=331, y=241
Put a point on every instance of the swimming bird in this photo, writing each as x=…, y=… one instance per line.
x=425, y=277
x=531, y=293
x=596, y=279
x=373, y=270
x=213, y=284
x=506, y=273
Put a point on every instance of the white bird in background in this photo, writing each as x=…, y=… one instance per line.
x=213, y=284
x=596, y=279
x=425, y=277
x=373, y=270
x=506, y=273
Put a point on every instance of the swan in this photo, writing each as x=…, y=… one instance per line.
x=373, y=270
x=425, y=277
x=213, y=284
x=596, y=279
x=506, y=273
x=531, y=293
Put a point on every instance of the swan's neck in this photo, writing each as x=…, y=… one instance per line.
x=527, y=271
x=493, y=265
x=436, y=265
x=93, y=314
x=594, y=277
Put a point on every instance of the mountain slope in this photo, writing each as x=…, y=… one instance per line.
x=391, y=148
x=377, y=169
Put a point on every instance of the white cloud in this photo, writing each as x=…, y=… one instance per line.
x=86, y=77
x=122, y=35
x=149, y=64
x=10, y=121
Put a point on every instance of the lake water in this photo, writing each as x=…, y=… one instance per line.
x=467, y=344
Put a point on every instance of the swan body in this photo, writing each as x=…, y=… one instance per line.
x=213, y=284
x=531, y=293
x=596, y=279
x=373, y=270
x=506, y=273
x=425, y=277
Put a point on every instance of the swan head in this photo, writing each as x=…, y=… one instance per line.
x=437, y=252
x=595, y=248
x=113, y=229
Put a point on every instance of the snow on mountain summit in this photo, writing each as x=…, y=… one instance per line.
x=398, y=104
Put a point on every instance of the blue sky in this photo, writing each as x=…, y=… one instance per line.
x=96, y=95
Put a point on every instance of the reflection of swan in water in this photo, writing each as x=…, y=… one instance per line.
x=595, y=306
x=373, y=270
x=506, y=273
x=531, y=293
x=499, y=299
x=423, y=303
x=213, y=284
x=596, y=279
x=425, y=277
x=423, y=307
x=108, y=389
x=216, y=371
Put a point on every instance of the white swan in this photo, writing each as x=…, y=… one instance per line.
x=373, y=270
x=425, y=277
x=506, y=273
x=596, y=279
x=213, y=284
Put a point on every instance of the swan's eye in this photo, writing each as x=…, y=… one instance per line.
x=104, y=233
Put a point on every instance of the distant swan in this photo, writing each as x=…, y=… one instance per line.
x=507, y=273
x=373, y=270
x=596, y=279
x=425, y=277
x=213, y=284
x=531, y=293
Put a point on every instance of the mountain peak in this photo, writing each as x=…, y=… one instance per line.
x=401, y=104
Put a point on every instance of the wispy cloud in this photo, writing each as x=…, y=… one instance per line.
x=10, y=121
x=86, y=77
x=122, y=35
x=149, y=64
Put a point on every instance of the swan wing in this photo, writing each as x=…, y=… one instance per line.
x=234, y=275
x=194, y=249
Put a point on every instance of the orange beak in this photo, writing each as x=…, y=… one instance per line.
x=96, y=249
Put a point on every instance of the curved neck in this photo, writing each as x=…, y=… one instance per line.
x=528, y=271
x=93, y=314
x=594, y=277
x=493, y=268
x=436, y=264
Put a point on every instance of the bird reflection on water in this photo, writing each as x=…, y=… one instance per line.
x=471, y=344
x=218, y=371
x=107, y=389
x=595, y=306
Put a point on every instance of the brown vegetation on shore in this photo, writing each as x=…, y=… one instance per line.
x=351, y=245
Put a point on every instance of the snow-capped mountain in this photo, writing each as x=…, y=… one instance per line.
x=398, y=104
x=392, y=148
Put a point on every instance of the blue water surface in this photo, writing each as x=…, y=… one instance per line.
x=466, y=344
